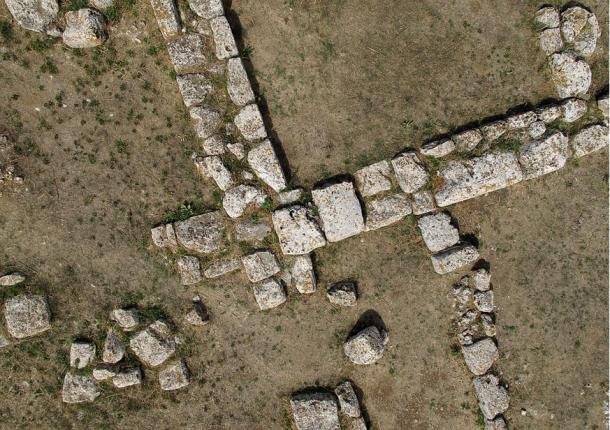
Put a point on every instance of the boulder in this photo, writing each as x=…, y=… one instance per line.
x=303, y=274
x=198, y=315
x=27, y=315
x=269, y=294
x=114, y=348
x=540, y=157
x=187, y=53
x=438, y=232
x=266, y=165
x=454, y=258
x=367, y=346
x=238, y=199
x=85, y=28
x=207, y=9
x=189, y=269
x=260, y=265
x=549, y=113
x=339, y=210
x=222, y=267
x=34, y=15
x=438, y=148
x=168, y=17
x=238, y=84
x=410, y=172
x=537, y=129
x=493, y=398
x=484, y=301
x=315, y=411
x=580, y=28
x=343, y=294
x=218, y=171
x=223, y=38
x=589, y=139
x=423, y=202
x=374, y=179
x=297, y=230
x=252, y=231
x=153, y=345
x=79, y=389
x=127, y=377
x=463, y=180
x=127, y=319
x=521, y=120
x=494, y=130
x=573, y=109
x=249, y=122
x=82, y=354
x=571, y=76
x=480, y=356
x=201, y=233
x=550, y=41
x=348, y=401
x=174, y=376
x=207, y=120
x=11, y=279
x=467, y=140
x=386, y=211
x=547, y=17
x=481, y=279
x=496, y=424
x=194, y=87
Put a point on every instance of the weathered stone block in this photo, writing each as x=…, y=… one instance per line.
x=493, y=398
x=367, y=346
x=454, y=258
x=438, y=232
x=249, y=122
x=590, y=139
x=339, y=210
x=544, y=156
x=189, y=269
x=223, y=38
x=202, y=233
x=260, y=265
x=303, y=275
x=27, y=315
x=238, y=199
x=315, y=411
x=386, y=211
x=297, y=230
x=480, y=356
x=187, y=53
x=269, y=294
x=238, y=84
x=266, y=165
x=410, y=172
x=438, y=148
x=207, y=9
x=168, y=17
x=194, y=87
x=374, y=179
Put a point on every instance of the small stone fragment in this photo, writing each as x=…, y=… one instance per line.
x=521, y=120
x=496, y=424
x=266, y=165
x=199, y=162
x=297, y=230
x=343, y=294
x=489, y=327
x=367, y=346
x=249, y=122
x=27, y=315
x=339, y=209
x=481, y=279
x=289, y=197
x=573, y=109
x=187, y=53
x=79, y=389
x=34, y=15
x=153, y=345
x=590, y=139
x=11, y=279
x=207, y=9
x=348, y=401
x=410, y=172
x=198, y=316
x=4, y=342
x=549, y=113
x=207, y=121
x=237, y=149
x=127, y=378
x=467, y=140
x=423, y=202
x=493, y=398
x=114, y=349
x=82, y=354
x=201, y=233
x=223, y=38
x=222, y=267
x=550, y=41
x=252, y=231
x=544, y=156
x=454, y=258
x=174, y=376
x=238, y=199
x=85, y=28
x=374, y=179
x=260, y=265
x=437, y=231
x=602, y=105
x=438, y=148
x=494, y=130
x=304, y=275
x=547, y=17
x=127, y=319
x=102, y=4
x=386, y=211
x=269, y=294
x=214, y=145
x=168, y=17
x=537, y=129
x=315, y=411
x=103, y=373
x=484, y=301
x=571, y=76
x=238, y=84
x=189, y=269
x=480, y=356
x=218, y=171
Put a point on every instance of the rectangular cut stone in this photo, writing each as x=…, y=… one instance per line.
x=222, y=267
x=223, y=38
x=303, y=274
x=194, y=88
x=423, y=202
x=315, y=411
x=168, y=17
x=269, y=294
x=201, y=233
x=544, y=156
x=238, y=84
x=386, y=211
x=438, y=232
x=374, y=179
x=265, y=164
x=463, y=180
x=410, y=172
x=249, y=122
x=187, y=53
x=207, y=9
x=589, y=140
x=339, y=210
x=454, y=258
x=297, y=230
x=260, y=265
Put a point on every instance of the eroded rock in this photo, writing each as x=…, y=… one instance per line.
x=454, y=258
x=423, y=202
x=194, y=87
x=207, y=121
x=187, y=53
x=343, y=294
x=219, y=172
x=174, y=376
x=222, y=267
x=573, y=109
x=303, y=274
x=34, y=15
x=493, y=398
x=494, y=130
x=571, y=76
x=238, y=199
x=127, y=378
x=114, y=348
x=207, y=9
x=348, y=401
x=480, y=356
x=168, y=17
x=223, y=38
x=79, y=389
x=11, y=279
x=127, y=319
x=85, y=28
x=467, y=140
x=550, y=41
x=438, y=148
x=252, y=231
x=367, y=346
x=297, y=230
x=198, y=315
x=201, y=233
x=153, y=345
x=238, y=84
x=82, y=354
x=547, y=17
x=189, y=268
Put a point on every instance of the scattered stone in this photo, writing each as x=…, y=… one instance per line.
x=198, y=316
x=289, y=197
x=85, y=28
x=82, y=354
x=343, y=294
x=217, y=170
x=214, y=145
x=168, y=17
x=549, y=113
x=103, y=373
x=238, y=199
x=189, y=269
x=201, y=233
x=494, y=130
x=315, y=411
x=468, y=318
x=249, y=121
x=467, y=140
x=547, y=17
x=260, y=265
x=438, y=148
x=521, y=120
x=297, y=230
x=374, y=179
x=187, y=53
x=114, y=348
x=127, y=319
x=496, y=424
x=550, y=41
x=410, y=172
x=540, y=157
x=423, y=202
x=27, y=315
x=358, y=424
x=367, y=346
x=269, y=294
x=34, y=15
x=537, y=129
x=265, y=164
x=238, y=84
x=480, y=356
x=207, y=9
x=153, y=345
x=481, y=279
x=463, y=180
x=174, y=376
x=222, y=267
x=79, y=389
x=158, y=236
x=437, y=231
x=580, y=27
x=386, y=211
x=238, y=149
x=208, y=121
x=223, y=38
x=493, y=398
x=127, y=378
x=590, y=139
x=11, y=279
x=571, y=76
x=252, y=231
x=489, y=327
x=484, y=301
x=454, y=258
x=304, y=275
x=4, y=342
x=339, y=210
x=348, y=401
x=573, y=109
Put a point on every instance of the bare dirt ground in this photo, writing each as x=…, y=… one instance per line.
x=345, y=84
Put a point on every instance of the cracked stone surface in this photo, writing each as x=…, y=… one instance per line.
x=168, y=17
x=467, y=140
x=348, y=401
x=315, y=411
x=423, y=202
x=343, y=294
x=547, y=17
x=223, y=38
x=339, y=210
x=194, y=87
x=207, y=120
x=127, y=319
x=85, y=28
x=238, y=84
x=219, y=172
x=187, y=53
x=82, y=354
x=114, y=348
x=34, y=15
x=571, y=76
x=297, y=230
x=27, y=315
x=494, y=130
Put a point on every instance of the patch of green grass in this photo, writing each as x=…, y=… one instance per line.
x=511, y=144
x=72, y=5
x=185, y=211
x=114, y=12
x=267, y=204
x=39, y=44
x=6, y=31
x=49, y=67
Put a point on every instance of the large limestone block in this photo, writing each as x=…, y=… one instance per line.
x=386, y=211
x=85, y=28
x=544, y=156
x=493, y=398
x=266, y=165
x=33, y=15
x=207, y=9
x=201, y=233
x=438, y=232
x=315, y=411
x=589, y=140
x=153, y=345
x=374, y=179
x=187, y=53
x=410, y=172
x=194, y=87
x=238, y=84
x=269, y=294
x=339, y=210
x=238, y=199
x=297, y=230
x=27, y=315
x=168, y=17
x=249, y=122
x=223, y=38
